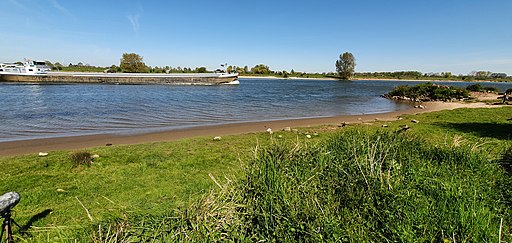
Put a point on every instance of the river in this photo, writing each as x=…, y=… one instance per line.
x=29, y=111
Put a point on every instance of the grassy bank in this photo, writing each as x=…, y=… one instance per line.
x=382, y=186
x=441, y=179
x=125, y=181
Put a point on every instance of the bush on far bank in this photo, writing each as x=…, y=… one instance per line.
x=479, y=88
x=428, y=92
x=474, y=87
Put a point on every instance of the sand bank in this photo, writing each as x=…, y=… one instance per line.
x=87, y=141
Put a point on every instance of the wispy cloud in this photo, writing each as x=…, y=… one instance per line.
x=134, y=20
x=59, y=7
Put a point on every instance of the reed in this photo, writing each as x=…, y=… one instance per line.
x=356, y=186
x=373, y=187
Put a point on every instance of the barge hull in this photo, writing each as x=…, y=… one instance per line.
x=62, y=78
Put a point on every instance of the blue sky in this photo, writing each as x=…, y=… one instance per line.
x=458, y=36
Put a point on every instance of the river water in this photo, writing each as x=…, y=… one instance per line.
x=29, y=111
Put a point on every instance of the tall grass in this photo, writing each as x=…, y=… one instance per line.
x=214, y=217
x=378, y=187
x=357, y=186
x=81, y=158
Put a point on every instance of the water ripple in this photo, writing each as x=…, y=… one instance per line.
x=33, y=111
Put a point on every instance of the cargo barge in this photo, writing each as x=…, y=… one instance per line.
x=37, y=72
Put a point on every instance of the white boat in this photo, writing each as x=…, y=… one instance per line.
x=29, y=67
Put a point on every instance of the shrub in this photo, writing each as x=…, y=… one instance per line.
x=81, y=158
x=491, y=89
x=400, y=91
x=428, y=92
x=474, y=87
x=479, y=88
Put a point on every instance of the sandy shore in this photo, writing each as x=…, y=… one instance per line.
x=81, y=142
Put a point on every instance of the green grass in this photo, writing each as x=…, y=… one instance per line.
x=83, y=69
x=380, y=186
x=488, y=130
x=148, y=179
x=440, y=180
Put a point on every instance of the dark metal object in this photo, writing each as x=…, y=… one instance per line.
x=7, y=202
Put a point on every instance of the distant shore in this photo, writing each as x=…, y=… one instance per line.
x=377, y=79
x=274, y=77
x=87, y=141
x=427, y=80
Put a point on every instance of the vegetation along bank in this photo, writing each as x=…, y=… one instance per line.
x=444, y=177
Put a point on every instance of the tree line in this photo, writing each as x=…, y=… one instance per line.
x=134, y=63
x=345, y=69
x=416, y=75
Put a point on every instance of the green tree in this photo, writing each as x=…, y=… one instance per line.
x=480, y=74
x=57, y=66
x=48, y=63
x=446, y=74
x=114, y=69
x=260, y=69
x=133, y=63
x=346, y=65
x=201, y=70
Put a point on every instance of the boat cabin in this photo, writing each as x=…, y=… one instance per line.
x=29, y=67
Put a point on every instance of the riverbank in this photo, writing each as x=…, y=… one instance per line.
x=428, y=80
x=376, y=79
x=275, y=77
x=193, y=189
x=88, y=141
